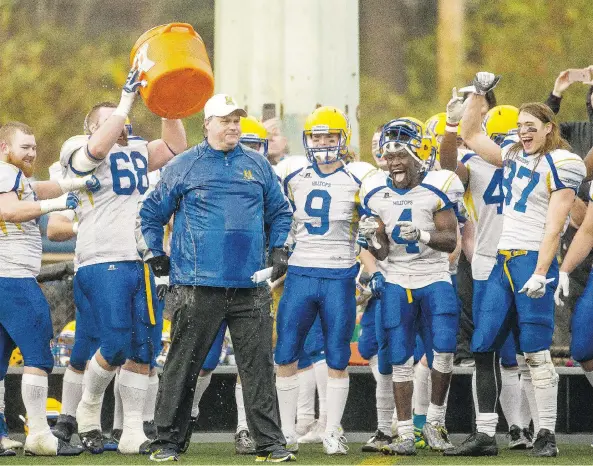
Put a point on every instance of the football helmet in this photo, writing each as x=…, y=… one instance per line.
x=326, y=120
x=435, y=125
x=500, y=121
x=408, y=133
x=254, y=132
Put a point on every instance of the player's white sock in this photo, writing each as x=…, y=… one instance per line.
x=96, y=380
x=201, y=386
x=150, y=404
x=475, y=392
x=422, y=389
x=589, y=376
x=529, y=392
x=288, y=392
x=118, y=409
x=486, y=423
x=510, y=395
x=337, y=395
x=321, y=376
x=405, y=429
x=436, y=413
x=374, y=365
x=306, y=400
x=241, y=415
x=71, y=392
x=385, y=403
x=34, y=393
x=132, y=388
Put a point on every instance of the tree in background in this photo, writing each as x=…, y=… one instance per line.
x=529, y=43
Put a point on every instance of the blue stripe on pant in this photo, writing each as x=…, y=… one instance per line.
x=334, y=300
x=501, y=308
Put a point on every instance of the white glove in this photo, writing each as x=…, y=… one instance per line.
x=483, y=83
x=563, y=282
x=536, y=286
x=410, y=232
x=455, y=108
x=367, y=227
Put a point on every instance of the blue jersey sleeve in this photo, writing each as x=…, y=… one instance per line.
x=277, y=211
x=155, y=212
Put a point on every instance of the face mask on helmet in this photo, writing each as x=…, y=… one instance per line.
x=326, y=135
x=407, y=134
x=255, y=142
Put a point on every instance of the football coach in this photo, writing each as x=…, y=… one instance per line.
x=227, y=205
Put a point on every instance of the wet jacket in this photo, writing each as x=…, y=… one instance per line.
x=222, y=203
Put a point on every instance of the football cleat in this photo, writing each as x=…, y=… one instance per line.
x=419, y=439
x=545, y=444
x=92, y=441
x=436, y=436
x=376, y=442
x=518, y=440
x=65, y=427
x=403, y=446
x=164, y=454
x=292, y=445
x=335, y=444
x=477, y=444
x=5, y=441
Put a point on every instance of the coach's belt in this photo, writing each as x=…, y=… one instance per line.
x=508, y=255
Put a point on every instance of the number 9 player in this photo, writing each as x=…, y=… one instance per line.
x=323, y=191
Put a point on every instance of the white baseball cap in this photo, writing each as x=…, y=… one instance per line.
x=221, y=105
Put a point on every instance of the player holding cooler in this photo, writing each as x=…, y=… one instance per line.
x=110, y=274
x=540, y=177
x=417, y=228
x=323, y=192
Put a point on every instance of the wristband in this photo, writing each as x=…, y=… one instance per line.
x=75, y=228
x=71, y=184
x=451, y=127
x=424, y=237
x=51, y=205
x=125, y=104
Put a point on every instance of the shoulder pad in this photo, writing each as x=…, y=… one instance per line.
x=361, y=169
x=71, y=146
x=289, y=165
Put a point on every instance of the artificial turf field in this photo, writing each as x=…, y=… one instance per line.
x=223, y=453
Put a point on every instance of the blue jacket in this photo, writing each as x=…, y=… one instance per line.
x=222, y=203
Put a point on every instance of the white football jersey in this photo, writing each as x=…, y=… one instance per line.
x=413, y=264
x=20, y=243
x=528, y=183
x=483, y=201
x=107, y=218
x=325, y=211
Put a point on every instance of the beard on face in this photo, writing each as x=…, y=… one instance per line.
x=27, y=168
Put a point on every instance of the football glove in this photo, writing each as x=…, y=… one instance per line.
x=367, y=232
x=483, y=83
x=160, y=265
x=67, y=201
x=455, y=108
x=162, y=286
x=410, y=232
x=377, y=284
x=279, y=263
x=563, y=287
x=536, y=286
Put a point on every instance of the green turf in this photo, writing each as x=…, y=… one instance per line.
x=223, y=453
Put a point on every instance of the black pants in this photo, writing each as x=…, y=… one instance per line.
x=197, y=318
x=466, y=324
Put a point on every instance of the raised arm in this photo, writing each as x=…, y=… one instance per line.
x=472, y=133
x=173, y=141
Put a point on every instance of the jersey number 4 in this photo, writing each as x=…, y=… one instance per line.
x=321, y=212
x=137, y=179
x=411, y=246
x=494, y=193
